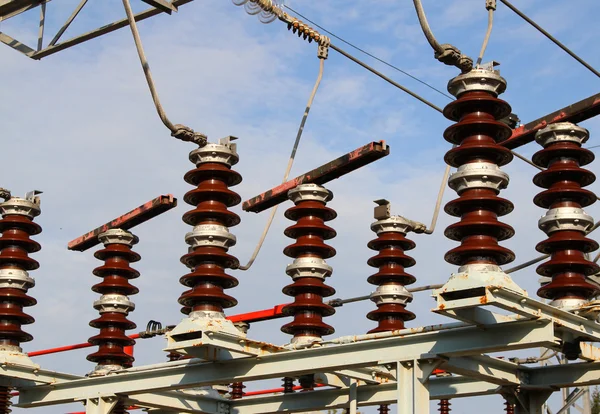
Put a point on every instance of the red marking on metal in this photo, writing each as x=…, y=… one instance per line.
x=258, y=316
x=321, y=175
x=127, y=221
x=577, y=112
x=277, y=390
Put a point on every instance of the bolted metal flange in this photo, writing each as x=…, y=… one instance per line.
x=397, y=294
x=16, y=279
x=114, y=303
x=224, y=152
x=29, y=208
x=565, y=218
x=478, y=175
x=562, y=132
x=118, y=236
x=210, y=235
x=477, y=79
x=396, y=224
x=310, y=192
x=309, y=267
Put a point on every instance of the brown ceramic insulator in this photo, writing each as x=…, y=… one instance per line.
x=15, y=246
x=563, y=181
x=510, y=408
x=310, y=232
x=211, y=199
x=445, y=406
x=237, y=390
x=288, y=385
x=5, y=402
x=477, y=134
x=391, y=262
x=384, y=409
x=115, y=273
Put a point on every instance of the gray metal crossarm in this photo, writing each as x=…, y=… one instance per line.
x=487, y=369
x=177, y=401
x=454, y=342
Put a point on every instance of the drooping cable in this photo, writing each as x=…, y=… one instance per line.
x=445, y=53
x=490, y=5
x=289, y=166
x=178, y=131
x=367, y=53
x=549, y=36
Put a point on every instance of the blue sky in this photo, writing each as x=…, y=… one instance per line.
x=80, y=126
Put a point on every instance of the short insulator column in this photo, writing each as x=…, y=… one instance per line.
x=210, y=238
x=445, y=406
x=16, y=227
x=309, y=268
x=288, y=385
x=478, y=179
x=114, y=304
x=565, y=222
x=384, y=409
x=510, y=408
x=237, y=390
x=391, y=295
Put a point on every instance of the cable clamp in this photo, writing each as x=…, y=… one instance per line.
x=187, y=134
x=323, y=49
x=490, y=5
x=452, y=56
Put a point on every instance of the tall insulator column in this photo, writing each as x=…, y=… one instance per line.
x=16, y=227
x=478, y=179
x=309, y=268
x=565, y=222
x=114, y=304
x=391, y=296
x=210, y=238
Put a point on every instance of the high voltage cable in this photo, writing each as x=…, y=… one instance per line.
x=367, y=53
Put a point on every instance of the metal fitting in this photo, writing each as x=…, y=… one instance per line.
x=396, y=224
x=478, y=175
x=225, y=152
x=309, y=267
x=310, y=192
x=114, y=303
x=569, y=304
x=391, y=294
x=477, y=79
x=102, y=370
x=210, y=235
x=118, y=236
x=565, y=218
x=15, y=279
x=28, y=206
x=561, y=132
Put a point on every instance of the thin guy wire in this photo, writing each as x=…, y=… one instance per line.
x=549, y=36
x=486, y=39
x=368, y=53
x=289, y=166
x=146, y=67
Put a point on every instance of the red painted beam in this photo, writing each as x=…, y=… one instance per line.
x=321, y=175
x=275, y=312
x=577, y=112
x=127, y=221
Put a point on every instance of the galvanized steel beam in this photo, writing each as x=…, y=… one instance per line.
x=188, y=374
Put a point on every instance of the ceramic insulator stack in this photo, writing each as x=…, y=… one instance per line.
x=309, y=268
x=565, y=222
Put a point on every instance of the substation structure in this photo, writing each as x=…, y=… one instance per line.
x=211, y=356
x=392, y=364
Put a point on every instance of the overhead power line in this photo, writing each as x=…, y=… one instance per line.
x=368, y=53
x=552, y=38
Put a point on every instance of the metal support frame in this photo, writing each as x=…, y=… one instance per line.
x=321, y=175
x=127, y=221
x=579, y=111
x=9, y=8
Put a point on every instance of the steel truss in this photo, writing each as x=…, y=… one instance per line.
x=366, y=370
x=11, y=8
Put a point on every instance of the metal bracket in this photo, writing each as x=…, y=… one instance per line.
x=163, y=5
x=103, y=405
